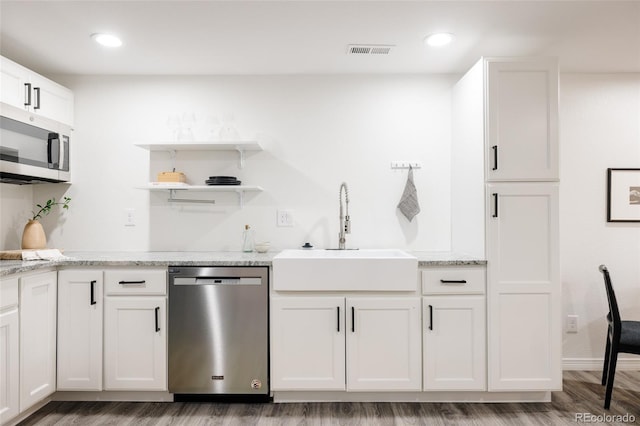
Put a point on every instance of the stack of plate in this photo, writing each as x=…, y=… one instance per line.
x=222, y=180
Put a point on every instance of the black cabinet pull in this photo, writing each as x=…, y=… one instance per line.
x=27, y=94
x=495, y=157
x=36, y=104
x=353, y=319
x=132, y=282
x=157, y=319
x=93, y=289
x=453, y=281
x=338, y=309
x=430, y=317
x=495, y=205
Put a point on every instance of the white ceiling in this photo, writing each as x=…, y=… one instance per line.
x=311, y=37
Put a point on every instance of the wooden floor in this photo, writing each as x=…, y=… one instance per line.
x=582, y=394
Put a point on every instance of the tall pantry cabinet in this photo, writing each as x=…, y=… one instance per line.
x=505, y=208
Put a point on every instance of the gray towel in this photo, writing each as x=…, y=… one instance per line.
x=408, y=204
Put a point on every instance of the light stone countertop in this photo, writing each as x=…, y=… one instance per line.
x=190, y=258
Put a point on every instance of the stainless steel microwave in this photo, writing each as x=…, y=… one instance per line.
x=32, y=148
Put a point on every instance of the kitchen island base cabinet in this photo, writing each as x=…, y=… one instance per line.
x=80, y=309
x=135, y=351
x=37, y=337
x=381, y=337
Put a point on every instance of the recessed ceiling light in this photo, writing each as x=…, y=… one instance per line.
x=108, y=40
x=438, y=39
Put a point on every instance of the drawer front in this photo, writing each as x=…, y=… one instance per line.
x=135, y=281
x=8, y=292
x=453, y=280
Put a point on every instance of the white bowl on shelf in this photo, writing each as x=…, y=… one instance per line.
x=262, y=247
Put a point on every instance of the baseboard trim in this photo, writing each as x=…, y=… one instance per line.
x=595, y=364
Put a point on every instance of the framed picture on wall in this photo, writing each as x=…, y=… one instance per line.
x=623, y=195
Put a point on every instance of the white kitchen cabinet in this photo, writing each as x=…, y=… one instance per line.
x=524, y=306
x=454, y=348
x=522, y=119
x=9, y=349
x=28, y=90
x=381, y=336
x=13, y=78
x=308, y=343
x=37, y=337
x=135, y=351
x=506, y=210
x=80, y=310
x=383, y=344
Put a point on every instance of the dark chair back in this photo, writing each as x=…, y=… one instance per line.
x=614, y=314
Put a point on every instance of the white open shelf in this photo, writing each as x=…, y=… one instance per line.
x=240, y=146
x=202, y=146
x=239, y=189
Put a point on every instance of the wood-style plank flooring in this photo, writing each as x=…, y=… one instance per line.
x=582, y=394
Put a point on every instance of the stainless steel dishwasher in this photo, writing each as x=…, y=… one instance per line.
x=218, y=333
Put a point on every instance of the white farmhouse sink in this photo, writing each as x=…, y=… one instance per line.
x=345, y=270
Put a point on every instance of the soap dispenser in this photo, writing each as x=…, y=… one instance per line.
x=247, y=239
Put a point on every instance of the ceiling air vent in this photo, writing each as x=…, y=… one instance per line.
x=369, y=49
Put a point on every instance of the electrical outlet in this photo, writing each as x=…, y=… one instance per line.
x=284, y=218
x=129, y=217
x=572, y=323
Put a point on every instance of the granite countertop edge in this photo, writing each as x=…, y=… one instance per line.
x=214, y=258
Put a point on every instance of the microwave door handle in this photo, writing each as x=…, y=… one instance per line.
x=63, y=155
x=53, y=150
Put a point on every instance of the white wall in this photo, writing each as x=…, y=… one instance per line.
x=16, y=203
x=317, y=131
x=600, y=128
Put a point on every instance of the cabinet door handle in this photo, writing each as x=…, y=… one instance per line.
x=453, y=281
x=430, y=317
x=157, y=314
x=495, y=205
x=132, y=282
x=495, y=157
x=36, y=103
x=27, y=94
x=353, y=319
x=338, y=322
x=93, y=290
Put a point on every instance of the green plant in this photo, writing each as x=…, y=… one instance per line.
x=46, y=209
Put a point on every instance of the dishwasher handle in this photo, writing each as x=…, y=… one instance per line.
x=217, y=280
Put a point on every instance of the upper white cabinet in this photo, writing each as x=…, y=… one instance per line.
x=521, y=119
x=80, y=308
x=26, y=89
x=37, y=337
